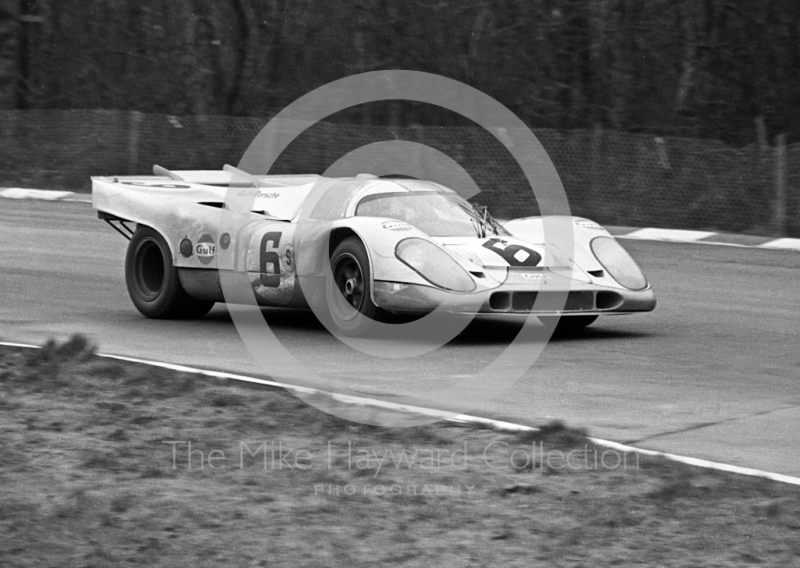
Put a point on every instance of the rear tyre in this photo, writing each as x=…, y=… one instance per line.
x=348, y=292
x=153, y=283
x=568, y=323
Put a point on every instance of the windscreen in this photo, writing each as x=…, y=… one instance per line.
x=436, y=214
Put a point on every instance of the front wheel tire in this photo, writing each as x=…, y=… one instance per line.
x=153, y=283
x=348, y=292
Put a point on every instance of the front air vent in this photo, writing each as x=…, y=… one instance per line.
x=608, y=300
x=579, y=301
x=549, y=301
x=500, y=301
x=523, y=301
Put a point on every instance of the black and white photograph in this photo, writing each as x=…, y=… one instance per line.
x=404, y=283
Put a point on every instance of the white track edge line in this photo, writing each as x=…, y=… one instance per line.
x=689, y=242
x=673, y=235
x=763, y=246
x=10, y=344
x=701, y=462
x=461, y=418
x=793, y=244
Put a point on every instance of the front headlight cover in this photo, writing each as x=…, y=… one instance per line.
x=618, y=263
x=434, y=265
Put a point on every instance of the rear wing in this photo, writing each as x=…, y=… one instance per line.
x=228, y=176
x=174, y=200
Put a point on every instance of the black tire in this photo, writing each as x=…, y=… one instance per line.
x=568, y=323
x=348, y=292
x=153, y=283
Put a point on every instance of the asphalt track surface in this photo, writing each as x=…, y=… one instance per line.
x=713, y=372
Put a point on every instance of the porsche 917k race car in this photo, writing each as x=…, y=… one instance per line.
x=387, y=246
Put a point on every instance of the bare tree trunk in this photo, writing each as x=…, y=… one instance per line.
x=780, y=185
x=241, y=45
x=689, y=62
x=28, y=18
x=471, y=62
x=596, y=31
x=618, y=73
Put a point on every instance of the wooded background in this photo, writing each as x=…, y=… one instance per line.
x=705, y=68
x=711, y=84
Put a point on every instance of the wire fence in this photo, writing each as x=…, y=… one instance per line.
x=614, y=178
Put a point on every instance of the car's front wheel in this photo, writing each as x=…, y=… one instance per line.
x=348, y=293
x=153, y=282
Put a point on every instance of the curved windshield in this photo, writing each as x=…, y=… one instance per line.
x=434, y=213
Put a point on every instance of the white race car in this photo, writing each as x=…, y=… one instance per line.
x=399, y=246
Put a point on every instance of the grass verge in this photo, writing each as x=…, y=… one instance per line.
x=107, y=463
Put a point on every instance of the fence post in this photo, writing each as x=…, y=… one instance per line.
x=594, y=173
x=761, y=136
x=780, y=184
x=133, y=142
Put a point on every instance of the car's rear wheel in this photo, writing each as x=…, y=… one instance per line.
x=348, y=293
x=153, y=283
x=568, y=323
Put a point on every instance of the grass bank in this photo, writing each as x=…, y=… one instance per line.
x=107, y=463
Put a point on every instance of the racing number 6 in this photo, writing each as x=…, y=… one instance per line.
x=270, y=262
x=514, y=255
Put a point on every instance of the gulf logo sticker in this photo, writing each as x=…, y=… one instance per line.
x=205, y=249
